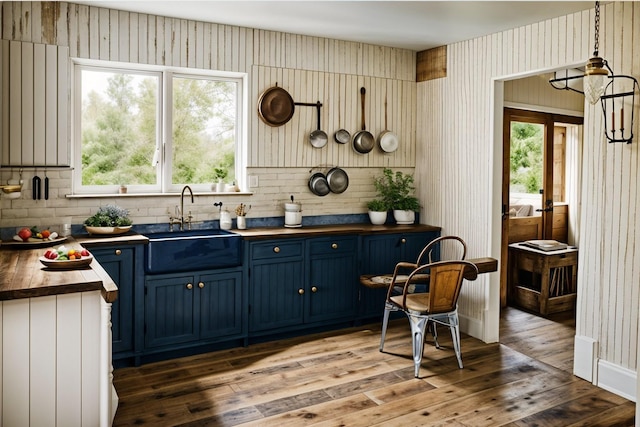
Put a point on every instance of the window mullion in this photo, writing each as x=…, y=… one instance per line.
x=167, y=126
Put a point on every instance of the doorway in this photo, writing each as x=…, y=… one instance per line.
x=534, y=180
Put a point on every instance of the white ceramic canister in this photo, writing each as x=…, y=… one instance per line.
x=242, y=222
x=225, y=220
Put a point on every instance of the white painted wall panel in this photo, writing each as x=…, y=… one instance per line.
x=42, y=366
x=15, y=368
x=462, y=143
x=36, y=110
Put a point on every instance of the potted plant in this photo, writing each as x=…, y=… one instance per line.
x=110, y=219
x=377, y=211
x=396, y=190
x=220, y=174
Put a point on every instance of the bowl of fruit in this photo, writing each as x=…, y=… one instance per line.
x=35, y=237
x=64, y=258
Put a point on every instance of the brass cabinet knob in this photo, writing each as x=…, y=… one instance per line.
x=118, y=252
x=189, y=286
x=201, y=285
x=276, y=249
x=301, y=291
x=334, y=246
x=314, y=289
x=403, y=240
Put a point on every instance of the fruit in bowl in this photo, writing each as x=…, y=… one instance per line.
x=26, y=234
x=66, y=254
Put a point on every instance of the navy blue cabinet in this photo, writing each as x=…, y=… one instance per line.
x=189, y=308
x=296, y=282
x=332, y=291
x=119, y=262
x=276, y=284
x=380, y=254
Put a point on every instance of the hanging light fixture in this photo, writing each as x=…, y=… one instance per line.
x=595, y=75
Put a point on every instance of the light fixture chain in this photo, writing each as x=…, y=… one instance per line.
x=596, y=47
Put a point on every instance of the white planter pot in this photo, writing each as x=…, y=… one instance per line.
x=404, y=217
x=377, y=218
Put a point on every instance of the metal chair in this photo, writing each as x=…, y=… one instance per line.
x=440, y=248
x=439, y=305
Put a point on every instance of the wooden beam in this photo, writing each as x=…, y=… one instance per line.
x=431, y=64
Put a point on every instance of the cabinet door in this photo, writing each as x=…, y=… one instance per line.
x=119, y=264
x=333, y=279
x=276, y=284
x=381, y=253
x=169, y=306
x=220, y=304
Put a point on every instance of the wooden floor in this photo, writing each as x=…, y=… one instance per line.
x=341, y=379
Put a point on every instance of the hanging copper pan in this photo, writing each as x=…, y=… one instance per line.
x=276, y=106
x=338, y=180
x=363, y=140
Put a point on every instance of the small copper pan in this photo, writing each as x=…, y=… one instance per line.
x=276, y=106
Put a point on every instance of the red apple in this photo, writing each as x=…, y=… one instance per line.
x=24, y=234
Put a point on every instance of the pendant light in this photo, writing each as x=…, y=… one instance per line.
x=595, y=75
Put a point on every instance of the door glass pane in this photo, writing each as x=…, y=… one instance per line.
x=526, y=167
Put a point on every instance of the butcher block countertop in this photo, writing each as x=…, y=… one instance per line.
x=332, y=230
x=24, y=276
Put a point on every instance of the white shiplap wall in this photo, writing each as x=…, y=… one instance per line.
x=455, y=119
x=310, y=68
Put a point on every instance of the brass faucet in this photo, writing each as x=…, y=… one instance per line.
x=182, y=217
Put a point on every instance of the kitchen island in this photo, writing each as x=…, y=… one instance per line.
x=55, y=342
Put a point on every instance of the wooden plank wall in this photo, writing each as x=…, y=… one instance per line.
x=536, y=92
x=312, y=69
x=35, y=112
x=456, y=113
x=288, y=145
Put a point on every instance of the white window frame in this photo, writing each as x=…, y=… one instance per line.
x=164, y=128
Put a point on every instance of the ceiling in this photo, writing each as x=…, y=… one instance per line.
x=415, y=25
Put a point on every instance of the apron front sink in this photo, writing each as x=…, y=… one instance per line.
x=169, y=252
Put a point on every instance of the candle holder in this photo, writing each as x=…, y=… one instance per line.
x=618, y=107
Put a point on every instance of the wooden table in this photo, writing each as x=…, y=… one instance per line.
x=542, y=281
x=484, y=265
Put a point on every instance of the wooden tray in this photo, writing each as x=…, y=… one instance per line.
x=33, y=243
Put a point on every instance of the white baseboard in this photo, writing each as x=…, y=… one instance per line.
x=606, y=375
x=585, y=358
x=617, y=379
x=471, y=326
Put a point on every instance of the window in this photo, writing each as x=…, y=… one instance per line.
x=155, y=130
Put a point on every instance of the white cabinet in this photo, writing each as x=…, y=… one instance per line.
x=35, y=104
x=56, y=361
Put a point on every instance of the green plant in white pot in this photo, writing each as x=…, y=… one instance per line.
x=377, y=211
x=220, y=174
x=396, y=190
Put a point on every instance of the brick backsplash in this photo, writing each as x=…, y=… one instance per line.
x=275, y=187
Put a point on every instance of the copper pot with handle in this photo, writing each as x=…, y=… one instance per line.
x=363, y=140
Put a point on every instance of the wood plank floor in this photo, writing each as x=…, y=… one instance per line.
x=341, y=379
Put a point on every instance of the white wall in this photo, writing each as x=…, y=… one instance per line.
x=310, y=68
x=457, y=159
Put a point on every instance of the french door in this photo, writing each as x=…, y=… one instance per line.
x=532, y=176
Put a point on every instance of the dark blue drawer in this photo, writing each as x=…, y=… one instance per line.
x=332, y=245
x=277, y=249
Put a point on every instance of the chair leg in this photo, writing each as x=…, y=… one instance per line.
x=434, y=332
x=455, y=336
x=418, y=328
x=385, y=322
